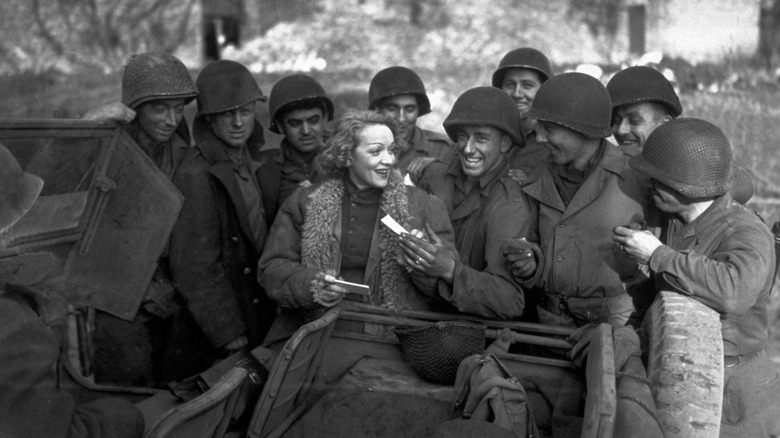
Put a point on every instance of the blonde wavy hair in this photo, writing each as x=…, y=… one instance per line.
x=335, y=157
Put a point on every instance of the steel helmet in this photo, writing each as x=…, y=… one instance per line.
x=226, y=85
x=643, y=84
x=18, y=189
x=485, y=106
x=576, y=101
x=524, y=57
x=152, y=76
x=396, y=81
x=692, y=156
x=292, y=89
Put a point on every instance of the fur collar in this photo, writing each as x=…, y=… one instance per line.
x=321, y=215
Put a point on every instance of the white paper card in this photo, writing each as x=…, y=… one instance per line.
x=354, y=288
x=393, y=225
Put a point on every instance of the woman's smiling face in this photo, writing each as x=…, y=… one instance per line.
x=373, y=157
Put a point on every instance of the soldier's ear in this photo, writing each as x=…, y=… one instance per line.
x=506, y=143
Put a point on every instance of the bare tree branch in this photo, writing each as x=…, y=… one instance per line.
x=44, y=31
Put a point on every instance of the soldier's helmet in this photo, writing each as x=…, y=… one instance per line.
x=295, y=89
x=577, y=101
x=155, y=75
x=396, y=81
x=524, y=57
x=18, y=189
x=485, y=106
x=226, y=85
x=643, y=84
x=692, y=156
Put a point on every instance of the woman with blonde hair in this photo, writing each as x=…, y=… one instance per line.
x=333, y=229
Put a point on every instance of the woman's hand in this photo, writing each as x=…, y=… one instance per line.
x=426, y=253
x=330, y=294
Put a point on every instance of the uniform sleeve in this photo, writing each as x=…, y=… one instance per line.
x=279, y=270
x=196, y=260
x=492, y=292
x=729, y=280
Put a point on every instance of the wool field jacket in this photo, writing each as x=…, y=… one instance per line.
x=725, y=259
x=482, y=283
x=579, y=258
x=213, y=255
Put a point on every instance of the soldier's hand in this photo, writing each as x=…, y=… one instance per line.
x=236, y=344
x=519, y=257
x=638, y=244
x=111, y=112
x=418, y=165
x=517, y=175
x=580, y=339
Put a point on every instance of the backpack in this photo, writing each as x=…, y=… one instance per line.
x=487, y=391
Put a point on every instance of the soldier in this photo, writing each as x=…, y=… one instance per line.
x=520, y=74
x=155, y=89
x=399, y=92
x=299, y=110
x=32, y=332
x=643, y=99
x=576, y=198
x=229, y=184
x=484, y=205
x=715, y=251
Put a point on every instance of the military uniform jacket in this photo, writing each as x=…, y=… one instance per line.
x=725, y=259
x=482, y=284
x=213, y=255
x=425, y=144
x=579, y=257
x=528, y=157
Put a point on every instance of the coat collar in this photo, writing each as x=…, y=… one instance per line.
x=712, y=214
x=540, y=184
x=487, y=184
x=213, y=150
x=322, y=221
